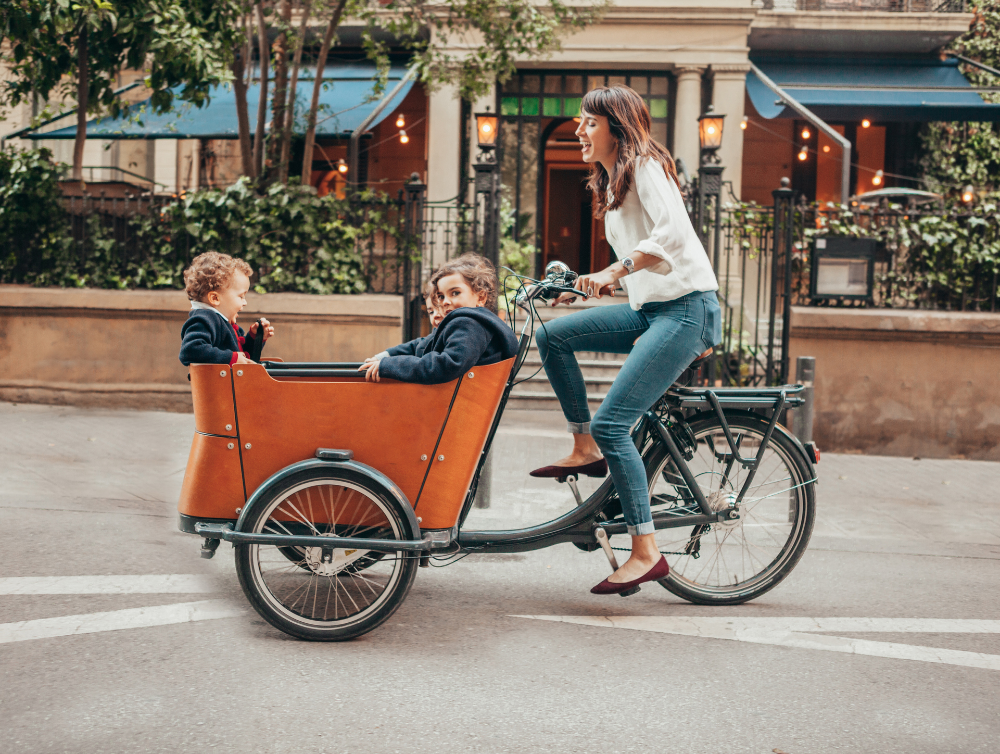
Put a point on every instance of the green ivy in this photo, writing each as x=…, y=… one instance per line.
x=294, y=239
x=958, y=154
x=32, y=221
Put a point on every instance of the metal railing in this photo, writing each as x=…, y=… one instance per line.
x=929, y=257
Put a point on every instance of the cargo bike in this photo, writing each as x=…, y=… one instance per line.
x=334, y=490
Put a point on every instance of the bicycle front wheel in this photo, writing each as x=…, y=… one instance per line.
x=730, y=563
x=320, y=593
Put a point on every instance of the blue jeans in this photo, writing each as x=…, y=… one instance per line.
x=671, y=334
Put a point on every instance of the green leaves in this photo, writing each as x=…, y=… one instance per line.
x=957, y=154
x=294, y=239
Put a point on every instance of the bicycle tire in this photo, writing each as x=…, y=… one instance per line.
x=691, y=583
x=279, y=588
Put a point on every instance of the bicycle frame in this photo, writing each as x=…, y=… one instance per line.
x=579, y=525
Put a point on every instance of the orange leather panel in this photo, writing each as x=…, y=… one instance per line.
x=389, y=425
x=212, y=394
x=462, y=442
x=213, y=482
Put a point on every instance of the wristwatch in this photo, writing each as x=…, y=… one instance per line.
x=629, y=265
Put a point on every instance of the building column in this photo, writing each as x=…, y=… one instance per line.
x=728, y=97
x=444, y=138
x=686, y=118
x=165, y=169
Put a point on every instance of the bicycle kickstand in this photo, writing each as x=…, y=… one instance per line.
x=602, y=540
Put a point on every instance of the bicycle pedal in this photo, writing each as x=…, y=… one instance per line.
x=630, y=592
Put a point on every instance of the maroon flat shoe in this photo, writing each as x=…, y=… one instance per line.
x=598, y=468
x=657, y=572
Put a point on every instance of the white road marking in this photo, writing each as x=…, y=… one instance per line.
x=795, y=632
x=139, y=617
x=177, y=583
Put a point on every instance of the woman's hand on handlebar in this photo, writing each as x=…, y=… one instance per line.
x=596, y=284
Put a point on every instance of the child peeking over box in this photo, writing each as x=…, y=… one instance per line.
x=217, y=285
x=471, y=334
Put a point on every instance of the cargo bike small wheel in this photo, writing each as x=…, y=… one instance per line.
x=319, y=593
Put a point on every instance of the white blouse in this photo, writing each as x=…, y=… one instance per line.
x=653, y=220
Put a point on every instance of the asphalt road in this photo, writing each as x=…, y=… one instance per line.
x=177, y=662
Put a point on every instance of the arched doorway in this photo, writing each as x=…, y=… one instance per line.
x=570, y=233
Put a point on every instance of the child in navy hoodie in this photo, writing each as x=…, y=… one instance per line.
x=470, y=334
x=217, y=285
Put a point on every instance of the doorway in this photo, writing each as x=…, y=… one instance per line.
x=570, y=233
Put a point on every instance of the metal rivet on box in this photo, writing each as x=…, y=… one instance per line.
x=230, y=446
x=471, y=375
x=239, y=373
x=423, y=457
x=229, y=426
x=222, y=373
x=440, y=458
x=247, y=446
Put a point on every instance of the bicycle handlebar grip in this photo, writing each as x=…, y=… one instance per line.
x=258, y=343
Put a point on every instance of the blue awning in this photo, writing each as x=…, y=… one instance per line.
x=893, y=90
x=345, y=102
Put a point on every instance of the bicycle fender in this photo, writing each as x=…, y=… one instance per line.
x=379, y=479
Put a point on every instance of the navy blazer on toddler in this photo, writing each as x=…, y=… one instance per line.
x=209, y=338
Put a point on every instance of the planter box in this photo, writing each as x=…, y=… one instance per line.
x=119, y=348
x=903, y=382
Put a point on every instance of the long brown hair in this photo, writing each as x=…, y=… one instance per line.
x=628, y=118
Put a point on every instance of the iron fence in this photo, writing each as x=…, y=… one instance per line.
x=930, y=257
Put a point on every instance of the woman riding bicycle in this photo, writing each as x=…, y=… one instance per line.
x=672, y=316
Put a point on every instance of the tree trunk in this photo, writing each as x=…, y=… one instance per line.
x=324, y=50
x=289, y=126
x=242, y=114
x=82, y=90
x=265, y=57
x=279, y=104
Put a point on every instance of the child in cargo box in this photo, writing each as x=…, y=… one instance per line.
x=217, y=286
x=416, y=347
x=471, y=334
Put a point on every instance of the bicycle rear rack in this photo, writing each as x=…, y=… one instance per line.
x=775, y=399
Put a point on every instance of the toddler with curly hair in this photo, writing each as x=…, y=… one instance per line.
x=217, y=286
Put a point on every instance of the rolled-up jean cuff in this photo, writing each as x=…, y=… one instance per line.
x=644, y=528
x=578, y=428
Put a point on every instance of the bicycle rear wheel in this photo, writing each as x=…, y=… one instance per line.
x=730, y=563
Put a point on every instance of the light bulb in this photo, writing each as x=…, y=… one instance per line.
x=403, y=138
x=400, y=121
x=865, y=123
x=826, y=147
x=877, y=180
x=805, y=133
x=743, y=123
x=968, y=194
x=342, y=165
x=711, y=130
x=487, y=128
x=803, y=155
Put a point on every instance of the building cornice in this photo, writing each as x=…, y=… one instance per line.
x=851, y=21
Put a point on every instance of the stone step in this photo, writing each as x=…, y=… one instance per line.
x=594, y=385
x=589, y=367
x=540, y=401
